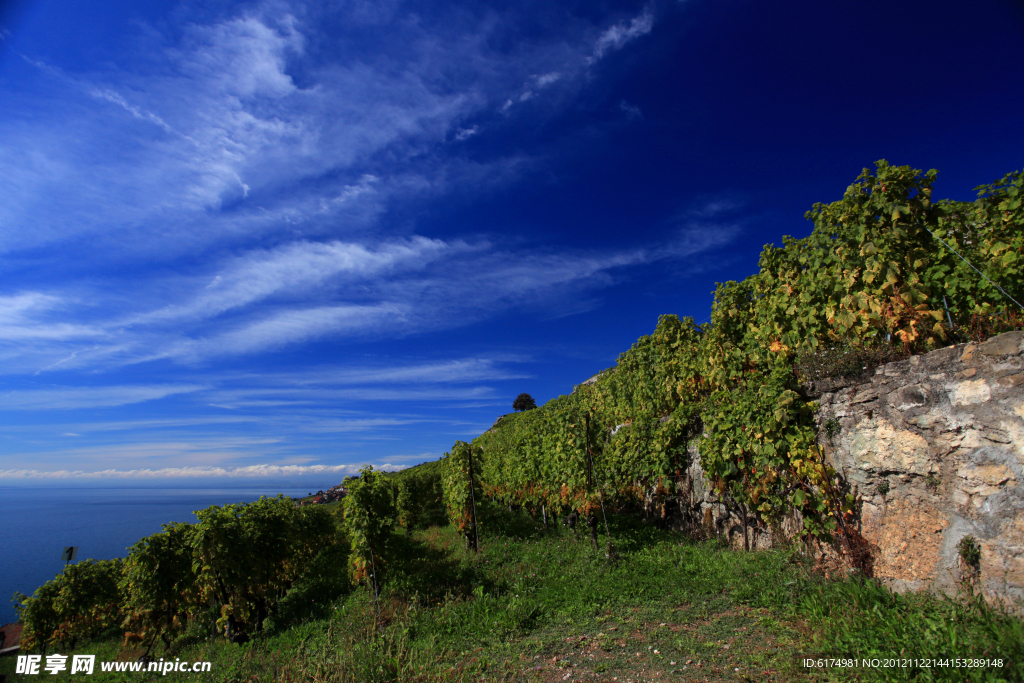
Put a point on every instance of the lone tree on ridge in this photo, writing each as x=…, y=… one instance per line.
x=524, y=402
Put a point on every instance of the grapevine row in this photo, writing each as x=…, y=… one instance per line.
x=884, y=267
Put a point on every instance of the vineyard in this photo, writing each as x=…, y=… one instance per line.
x=886, y=272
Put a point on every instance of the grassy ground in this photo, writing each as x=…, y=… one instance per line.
x=544, y=605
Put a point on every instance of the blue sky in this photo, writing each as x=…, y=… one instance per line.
x=288, y=239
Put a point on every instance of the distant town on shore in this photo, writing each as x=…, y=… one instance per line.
x=321, y=497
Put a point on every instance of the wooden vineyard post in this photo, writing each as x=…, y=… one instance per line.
x=600, y=491
x=472, y=497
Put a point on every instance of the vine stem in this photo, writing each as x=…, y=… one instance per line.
x=838, y=513
x=376, y=591
x=472, y=496
x=600, y=490
x=611, y=546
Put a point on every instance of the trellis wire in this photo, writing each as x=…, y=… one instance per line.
x=943, y=243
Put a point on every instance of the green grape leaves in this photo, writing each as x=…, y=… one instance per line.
x=873, y=271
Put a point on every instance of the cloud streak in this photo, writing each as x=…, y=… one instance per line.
x=295, y=269
x=72, y=398
x=29, y=316
x=269, y=299
x=443, y=372
x=113, y=97
x=249, y=471
x=282, y=397
x=618, y=36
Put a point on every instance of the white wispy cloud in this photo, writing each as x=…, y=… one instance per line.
x=153, y=451
x=283, y=397
x=573, y=69
x=248, y=183
x=632, y=111
x=711, y=208
x=35, y=316
x=544, y=80
x=701, y=237
x=249, y=471
x=617, y=36
x=341, y=426
x=267, y=299
x=115, y=98
x=71, y=398
x=295, y=269
x=331, y=386
x=241, y=130
x=442, y=372
x=60, y=362
x=244, y=57
x=230, y=147
x=299, y=325
x=81, y=428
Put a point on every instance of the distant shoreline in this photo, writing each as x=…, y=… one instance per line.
x=103, y=521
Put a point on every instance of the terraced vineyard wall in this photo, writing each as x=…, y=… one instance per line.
x=934, y=445
x=711, y=428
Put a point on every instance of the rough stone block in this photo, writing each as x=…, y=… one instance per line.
x=868, y=393
x=878, y=446
x=1010, y=381
x=906, y=552
x=970, y=393
x=984, y=479
x=908, y=397
x=941, y=357
x=969, y=352
x=1003, y=345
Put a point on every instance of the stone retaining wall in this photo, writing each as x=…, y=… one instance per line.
x=934, y=446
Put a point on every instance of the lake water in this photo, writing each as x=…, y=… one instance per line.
x=37, y=523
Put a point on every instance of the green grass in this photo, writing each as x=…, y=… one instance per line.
x=544, y=605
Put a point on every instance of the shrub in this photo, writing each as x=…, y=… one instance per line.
x=970, y=551
x=81, y=602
